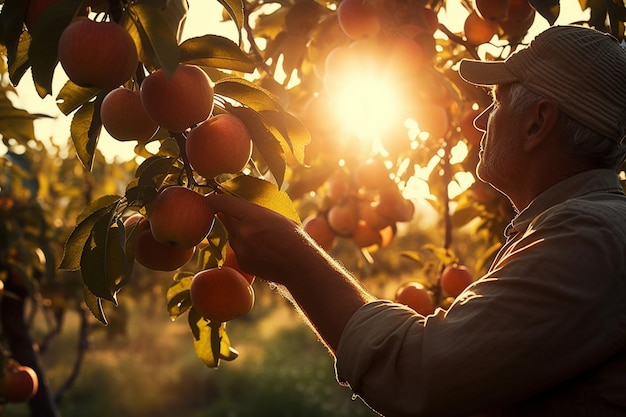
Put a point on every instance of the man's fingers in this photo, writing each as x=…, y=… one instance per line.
x=229, y=205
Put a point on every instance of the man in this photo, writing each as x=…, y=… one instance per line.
x=543, y=333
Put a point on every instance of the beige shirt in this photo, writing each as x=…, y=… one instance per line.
x=543, y=333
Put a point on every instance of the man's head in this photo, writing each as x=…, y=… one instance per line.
x=582, y=69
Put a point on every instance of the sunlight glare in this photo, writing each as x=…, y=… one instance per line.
x=366, y=104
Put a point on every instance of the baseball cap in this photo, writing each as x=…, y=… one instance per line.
x=583, y=69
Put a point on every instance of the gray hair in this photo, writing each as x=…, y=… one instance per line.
x=582, y=141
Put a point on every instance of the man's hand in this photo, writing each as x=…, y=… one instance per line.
x=274, y=248
x=267, y=244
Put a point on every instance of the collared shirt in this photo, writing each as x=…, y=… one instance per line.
x=543, y=333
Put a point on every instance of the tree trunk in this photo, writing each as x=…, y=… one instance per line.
x=12, y=311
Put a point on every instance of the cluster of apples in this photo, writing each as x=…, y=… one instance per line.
x=397, y=52
x=103, y=55
x=453, y=280
x=363, y=206
x=506, y=18
x=178, y=221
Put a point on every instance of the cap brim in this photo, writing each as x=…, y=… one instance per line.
x=485, y=72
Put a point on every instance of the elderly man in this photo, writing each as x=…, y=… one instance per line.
x=543, y=333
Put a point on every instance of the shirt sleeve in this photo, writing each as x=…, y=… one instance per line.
x=550, y=309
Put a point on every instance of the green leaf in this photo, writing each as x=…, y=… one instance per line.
x=210, y=340
x=464, y=213
x=103, y=262
x=292, y=131
x=445, y=256
x=263, y=193
x=216, y=52
x=414, y=256
x=16, y=123
x=235, y=9
x=45, y=40
x=73, y=96
x=85, y=131
x=153, y=171
x=247, y=93
x=19, y=64
x=265, y=141
x=270, y=25
x=549, y=9
x=159, y=34
x=94, y=304
x=178, y=298
x=11, y=20
x=85, y=222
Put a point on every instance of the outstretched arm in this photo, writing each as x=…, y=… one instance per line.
x=276, y=249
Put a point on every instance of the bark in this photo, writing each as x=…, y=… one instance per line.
x=20, y=343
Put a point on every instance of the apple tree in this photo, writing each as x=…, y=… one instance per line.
x=354, y=102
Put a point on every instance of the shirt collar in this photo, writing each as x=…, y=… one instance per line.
x=587, y=182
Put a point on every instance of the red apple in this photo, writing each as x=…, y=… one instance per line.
x=153, y=254
x=364, y=235
x=19, y=383
x=34, y=11
x=343, y=218
x=124, y=117
x=393, y=206
x=179, y=102
x=219, y=145
x=97, y=54
x=318, y=229
x=417, y=296
x=180, y=217
x=358, y=18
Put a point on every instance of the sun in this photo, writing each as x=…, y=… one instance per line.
x=366, y=104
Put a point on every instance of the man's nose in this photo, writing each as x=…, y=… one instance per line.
x=480, y=122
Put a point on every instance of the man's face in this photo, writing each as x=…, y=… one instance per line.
x=501, y=143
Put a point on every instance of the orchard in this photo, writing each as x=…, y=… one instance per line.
x=346, y=116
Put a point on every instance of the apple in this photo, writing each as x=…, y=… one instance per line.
x=393, y=206
x=180, y=217
x=317, y=228
x=371, y=174
x=219, y=145
x=368, y=212
x=494, y=10
x=97, y=54
x=34, y=11
x=179, y=102
x=358, y=18
x=153, y=254
x=18, y=384
x=221, y=294
x=520, y=17
x=454, y=279
x=478, y=30
x=124, y=117
x=405, y=57
x=343, y=218
x=364, y=235
x=417, y=296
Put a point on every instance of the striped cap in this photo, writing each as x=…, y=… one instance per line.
x=581, y=68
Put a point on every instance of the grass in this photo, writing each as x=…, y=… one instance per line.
x=282, y=370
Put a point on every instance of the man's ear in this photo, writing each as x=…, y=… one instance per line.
x=539, y=122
